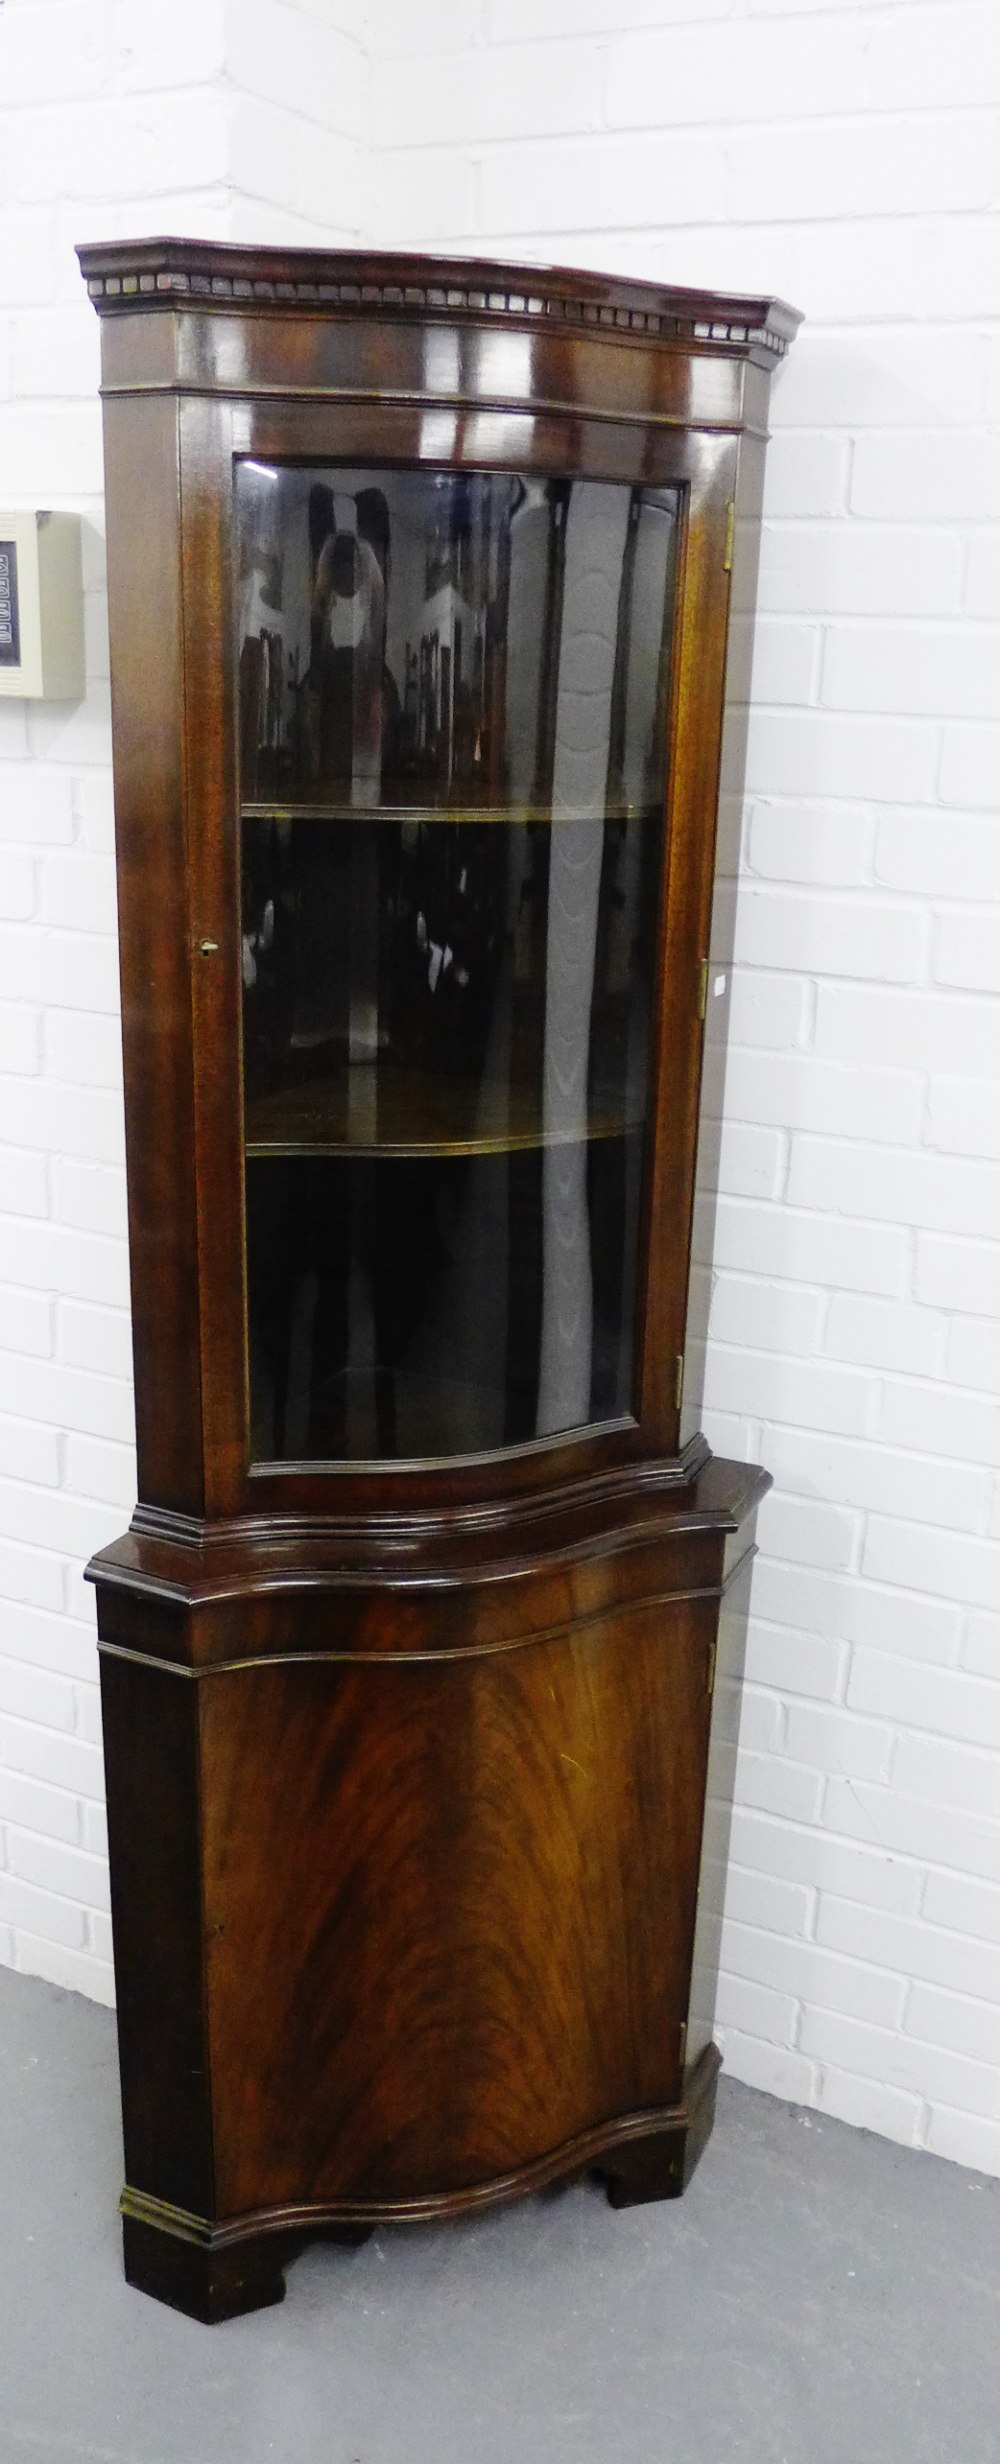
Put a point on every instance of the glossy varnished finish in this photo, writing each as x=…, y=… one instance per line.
x=144, y=530
x=407, y=1764
x=420, y=1863
x=491, y=1578
x=497, y=1856
x=157, y=1908
x=748, y=497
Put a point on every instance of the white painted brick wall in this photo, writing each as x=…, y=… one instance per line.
x=216, y=117
x=847, y=156
x=844, y=154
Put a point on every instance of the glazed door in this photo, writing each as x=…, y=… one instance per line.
x=449, y=867
x=453, y=745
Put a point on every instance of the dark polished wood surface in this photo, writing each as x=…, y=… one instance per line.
x=498, y=1856
x=405, y=1884
x=123, y=275
x=407, y=1764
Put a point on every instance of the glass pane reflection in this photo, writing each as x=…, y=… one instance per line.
x=453, y=693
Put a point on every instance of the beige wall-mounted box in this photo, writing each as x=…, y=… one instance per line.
x=41, y=607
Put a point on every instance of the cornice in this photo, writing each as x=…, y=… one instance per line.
x=125, y=275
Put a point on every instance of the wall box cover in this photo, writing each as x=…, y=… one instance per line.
x=41, y=606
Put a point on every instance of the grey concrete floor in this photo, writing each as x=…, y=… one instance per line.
x=819, y=2297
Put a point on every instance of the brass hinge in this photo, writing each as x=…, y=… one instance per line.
x=679, y=1380
x=727, y=561
x=684, y=2042
x=703, y=989
x=710, y=1670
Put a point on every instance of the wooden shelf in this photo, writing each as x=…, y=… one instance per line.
x=467, y=811
x=391, y=1109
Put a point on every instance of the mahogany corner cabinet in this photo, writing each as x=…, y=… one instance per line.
x=431, y=589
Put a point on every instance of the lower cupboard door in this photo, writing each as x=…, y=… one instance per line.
x=449, y=1905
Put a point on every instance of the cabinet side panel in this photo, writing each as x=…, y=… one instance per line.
x=719, y=1794
x=739, y=663
x=151, y=1757
x=696, y=729
x=147, y=683
x=450, y=1908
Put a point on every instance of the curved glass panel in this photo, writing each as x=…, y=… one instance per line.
x=452, y=726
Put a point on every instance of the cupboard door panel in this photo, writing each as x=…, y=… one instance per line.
x=449, y=1908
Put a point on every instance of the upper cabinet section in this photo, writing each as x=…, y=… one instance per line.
x=419, y=585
